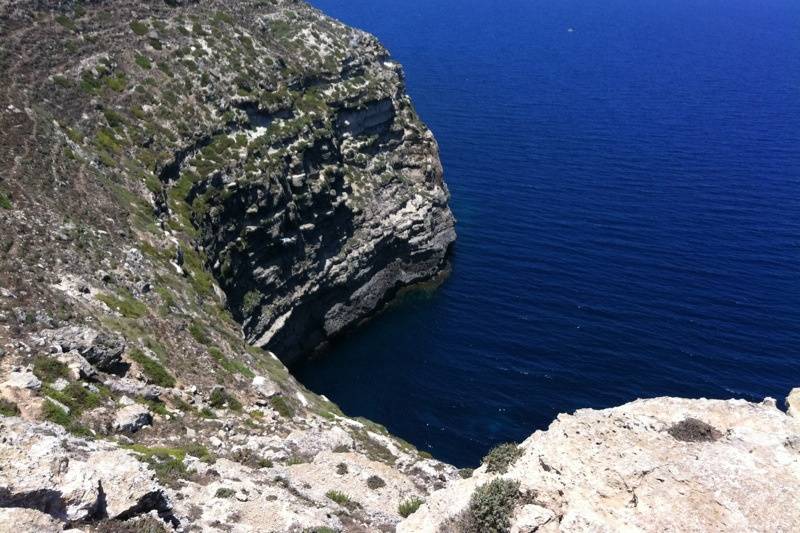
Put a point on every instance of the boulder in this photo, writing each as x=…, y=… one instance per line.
x=132, y=418
x=103, y=350
x=22, y=380
x=264, y=387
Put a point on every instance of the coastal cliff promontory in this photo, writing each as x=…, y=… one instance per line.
x=196, y=193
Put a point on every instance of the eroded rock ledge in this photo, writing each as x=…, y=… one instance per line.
x=664, y=464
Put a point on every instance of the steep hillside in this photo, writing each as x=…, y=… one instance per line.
x=181, y=185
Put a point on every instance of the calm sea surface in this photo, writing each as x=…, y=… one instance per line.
x=626, y=178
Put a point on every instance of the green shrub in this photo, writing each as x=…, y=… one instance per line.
x=65, y=21
x=167, y=463
x=251, y=300
x=219, y=397
x=501, y=457
x=49, y=369
x=409, y=506
x=341, y=498
x=113, y=118
x=375, y=482
x=224, y=492
x=54, y=413
x=5, y=203
x=201, y=452
x=143, y=62
x=76, y=397
x=199, y=333
x=234, y=367
x=106, y=141
x=139, y=27
x=116, y=83
x=491, y=505
x=8, y=408
x=153, y=369
x=281, y=406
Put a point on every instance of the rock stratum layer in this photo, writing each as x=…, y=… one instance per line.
x=188, y=188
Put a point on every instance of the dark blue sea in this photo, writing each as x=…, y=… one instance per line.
x=626, y=178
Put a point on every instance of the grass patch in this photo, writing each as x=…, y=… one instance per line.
x=167, y=463
x=409, y=507
x=234, y=367
x=501, y=457
x=153, y=369
x=341, y=498
x=143, y=62
x=282, y=406
x=76, y=397
x=125, y=304
x=205, y=412
x=49, y=369
x=139, y=27
x=8, y=408
x=199, y=333
x=5, y=203
x=116, y=83
x=54, y=413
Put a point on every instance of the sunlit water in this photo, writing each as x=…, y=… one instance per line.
x=626, y=178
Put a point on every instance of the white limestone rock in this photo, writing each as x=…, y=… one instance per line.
x=664, y=464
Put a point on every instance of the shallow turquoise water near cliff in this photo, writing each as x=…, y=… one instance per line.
x=628, y=198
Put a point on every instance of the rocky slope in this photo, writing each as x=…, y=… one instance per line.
x=181, y=185
x=664, y=464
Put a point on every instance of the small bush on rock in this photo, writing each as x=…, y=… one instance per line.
x=153, y=369
x=49, y=369
x=223, y=492
x=501, y=457
x=409, y=507
x=375, y=482
x=491, y=505
x=8, y=408
x=342, y=499
x=282, y=406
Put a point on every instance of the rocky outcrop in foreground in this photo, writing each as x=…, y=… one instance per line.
x=664, y=464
